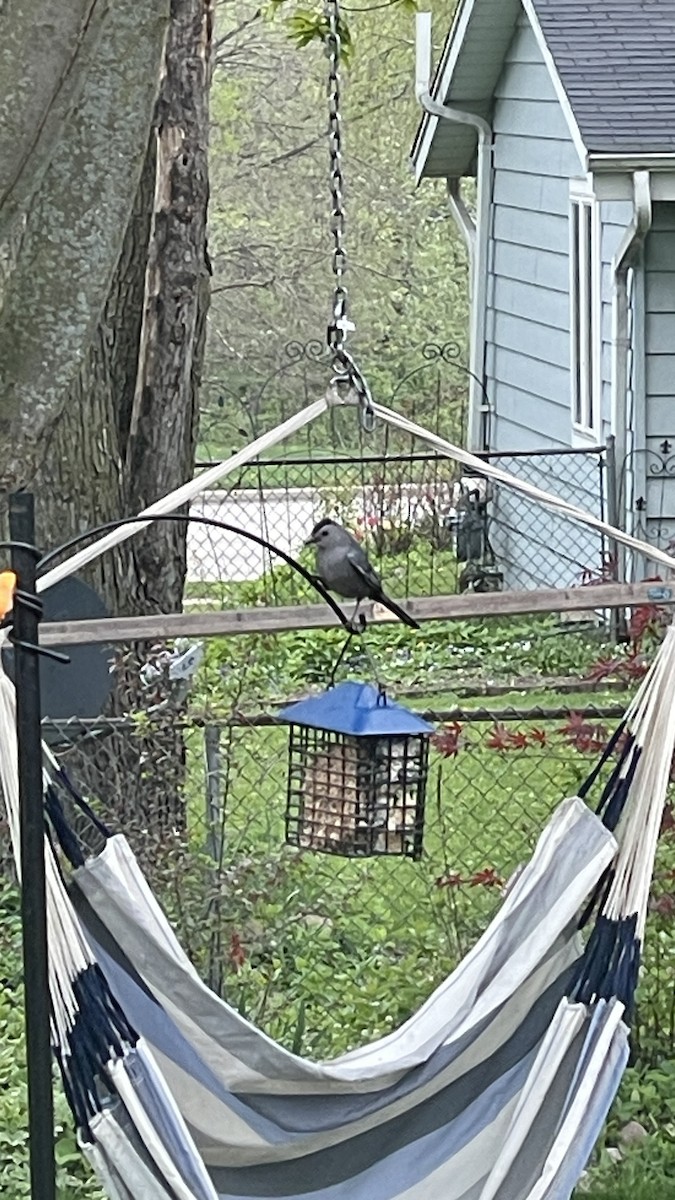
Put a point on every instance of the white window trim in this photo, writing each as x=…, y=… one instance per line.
x=581, y=193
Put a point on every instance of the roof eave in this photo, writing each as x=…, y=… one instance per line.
x=438, y=86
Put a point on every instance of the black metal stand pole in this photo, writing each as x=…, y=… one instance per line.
x=33, y=892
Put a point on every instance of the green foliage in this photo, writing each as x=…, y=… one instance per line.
x=647, y=1095
x=646, y=1170
x=656, y=1187
x=270, y=237
x=441, y=658
x=306, y=25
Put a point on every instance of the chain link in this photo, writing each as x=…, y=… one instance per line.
x=346, y=371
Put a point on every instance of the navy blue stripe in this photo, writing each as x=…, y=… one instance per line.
x=380, y=1163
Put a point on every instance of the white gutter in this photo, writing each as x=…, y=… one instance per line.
x=478, y=408
x=631, y=162
x=627, y=256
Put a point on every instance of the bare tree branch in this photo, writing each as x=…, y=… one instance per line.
x=234, y=33
x=244, y=283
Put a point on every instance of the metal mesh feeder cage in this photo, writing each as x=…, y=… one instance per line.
x=357, y=774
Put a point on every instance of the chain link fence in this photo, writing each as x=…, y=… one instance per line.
x=430, y=529
x=429, y=526
x=535, y=547
x=321, y=951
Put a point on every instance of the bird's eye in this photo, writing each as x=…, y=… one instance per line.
x=325, y=533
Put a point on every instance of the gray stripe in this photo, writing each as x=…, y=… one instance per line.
x=606, y=1087
x=107, y=1174
x=475, y=1192
x=341, y=1162
x=134, y=1168
x=423, y=1139
x=541, y=1135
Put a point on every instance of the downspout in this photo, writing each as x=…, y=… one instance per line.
x=478, y=406
x=462, y=218
x=627, y=256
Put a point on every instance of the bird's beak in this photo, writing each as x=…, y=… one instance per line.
x=311, y=540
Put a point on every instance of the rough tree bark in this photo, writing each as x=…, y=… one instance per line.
x=160, y=450
x=45, y=53
x=102, y=325
x=81, y=480
x=73, y=229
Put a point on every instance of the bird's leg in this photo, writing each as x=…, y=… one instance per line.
x=357, y=623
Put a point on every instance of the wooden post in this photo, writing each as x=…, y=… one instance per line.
x=228, y=623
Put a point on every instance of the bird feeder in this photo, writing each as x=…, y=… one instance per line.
x=357, y=774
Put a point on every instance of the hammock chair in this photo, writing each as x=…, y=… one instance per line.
x=496, y=1089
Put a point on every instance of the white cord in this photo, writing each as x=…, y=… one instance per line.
x=485, y=467
x=332, y=398
x=188, y=491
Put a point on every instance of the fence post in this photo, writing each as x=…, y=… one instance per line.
x=214, y=805
x=617, y=616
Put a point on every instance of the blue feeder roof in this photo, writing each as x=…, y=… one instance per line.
x=358, y=709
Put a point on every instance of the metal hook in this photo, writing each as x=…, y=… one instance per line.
x=367, y=416
x=338, y=661
x=34, y=604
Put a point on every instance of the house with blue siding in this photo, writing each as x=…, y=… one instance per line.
x=563, y=112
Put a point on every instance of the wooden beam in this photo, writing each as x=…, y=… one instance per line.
x=229, y=622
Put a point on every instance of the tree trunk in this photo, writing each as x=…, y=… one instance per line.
x=72, y=232
x=132, y=418
x=128, y=431
x=81, y=480
x=160, y=451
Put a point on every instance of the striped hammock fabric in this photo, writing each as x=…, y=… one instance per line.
x=496, y=1089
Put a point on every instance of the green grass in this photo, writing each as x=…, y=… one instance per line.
x=653, y=1190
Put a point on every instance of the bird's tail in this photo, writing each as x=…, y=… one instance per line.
x=397, y=610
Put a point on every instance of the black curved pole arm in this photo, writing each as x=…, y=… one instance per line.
x=27, y=555
x=47, y=560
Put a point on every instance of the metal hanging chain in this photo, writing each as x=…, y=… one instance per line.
x=346, y=371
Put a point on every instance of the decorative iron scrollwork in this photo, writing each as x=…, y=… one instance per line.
x=449, y=352
x=312, y=351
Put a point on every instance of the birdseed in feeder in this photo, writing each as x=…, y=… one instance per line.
x=356, y=790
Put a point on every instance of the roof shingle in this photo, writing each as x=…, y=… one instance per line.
x=616, y=62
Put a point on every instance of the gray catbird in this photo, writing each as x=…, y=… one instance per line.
x=343, y=567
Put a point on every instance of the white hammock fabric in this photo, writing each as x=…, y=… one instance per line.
x=495, y=1089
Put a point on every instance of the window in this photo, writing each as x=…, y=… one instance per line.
x=585, y=315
